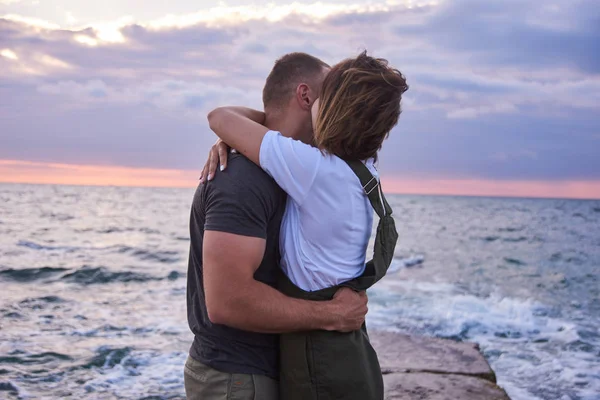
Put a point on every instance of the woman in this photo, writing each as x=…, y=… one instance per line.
x=333, y=189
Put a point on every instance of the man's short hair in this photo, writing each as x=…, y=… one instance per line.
x=288, y=72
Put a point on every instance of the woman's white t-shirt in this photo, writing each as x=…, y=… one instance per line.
x=328, y=218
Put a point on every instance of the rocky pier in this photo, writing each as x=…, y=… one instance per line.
x=423, y=368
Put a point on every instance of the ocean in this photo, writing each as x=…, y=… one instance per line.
x=93, y=280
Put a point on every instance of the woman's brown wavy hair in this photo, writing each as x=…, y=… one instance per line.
x=358, y=106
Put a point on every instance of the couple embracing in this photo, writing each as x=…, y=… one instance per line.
x=277, y=267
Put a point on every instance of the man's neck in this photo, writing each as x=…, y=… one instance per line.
x=279, y=123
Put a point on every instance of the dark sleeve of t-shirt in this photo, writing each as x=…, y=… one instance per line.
x=240, y=200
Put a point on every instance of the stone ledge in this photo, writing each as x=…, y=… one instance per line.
x=424, y=368
x=424, y=386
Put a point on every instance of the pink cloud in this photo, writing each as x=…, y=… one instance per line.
x=15, y=171
x=574, y=189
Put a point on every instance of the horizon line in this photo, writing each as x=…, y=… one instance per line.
x=44, y=173
x=432, y=194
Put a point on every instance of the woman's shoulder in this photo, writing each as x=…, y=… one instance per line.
x=340, y=164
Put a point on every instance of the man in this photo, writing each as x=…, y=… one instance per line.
x=233, y=309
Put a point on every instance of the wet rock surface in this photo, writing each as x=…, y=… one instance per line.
x=423, y=368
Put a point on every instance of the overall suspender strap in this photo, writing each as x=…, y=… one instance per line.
x=372, y=188
x=386, y=237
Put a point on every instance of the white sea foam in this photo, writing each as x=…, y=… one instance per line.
x=410, y=261
x=140, y=374
x=519, y=337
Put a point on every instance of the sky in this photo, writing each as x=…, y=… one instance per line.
x=504, y=95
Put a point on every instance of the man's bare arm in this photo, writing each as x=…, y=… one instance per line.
x=234, y=298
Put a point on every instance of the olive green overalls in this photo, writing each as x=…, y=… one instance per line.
x=325, y=365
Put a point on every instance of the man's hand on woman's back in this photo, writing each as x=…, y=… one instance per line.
x=348, y=310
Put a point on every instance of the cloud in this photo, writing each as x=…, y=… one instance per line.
x=8, y=53
x=487, y=81
x=481, y=187
x=70, y=174
x=521, y=153
x=474, y=112
x=174, y=96
x=34, y=23
x=90, y=175
x=525, y=33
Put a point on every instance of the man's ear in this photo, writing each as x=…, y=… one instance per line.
x=304, y=96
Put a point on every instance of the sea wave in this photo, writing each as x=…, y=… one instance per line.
x=518, y=336
x=30, y=274
x=88, y=275
x=399, y=262
x=161, y=256
x=134, y=373
x=84, y=275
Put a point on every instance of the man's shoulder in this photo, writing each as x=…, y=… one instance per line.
x=240, y=163
x=243, y=173
x=241, y=168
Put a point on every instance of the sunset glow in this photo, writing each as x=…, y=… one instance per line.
x=494, y=188
x=12, y=171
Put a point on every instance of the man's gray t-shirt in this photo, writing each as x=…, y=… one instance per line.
x=242, y=200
